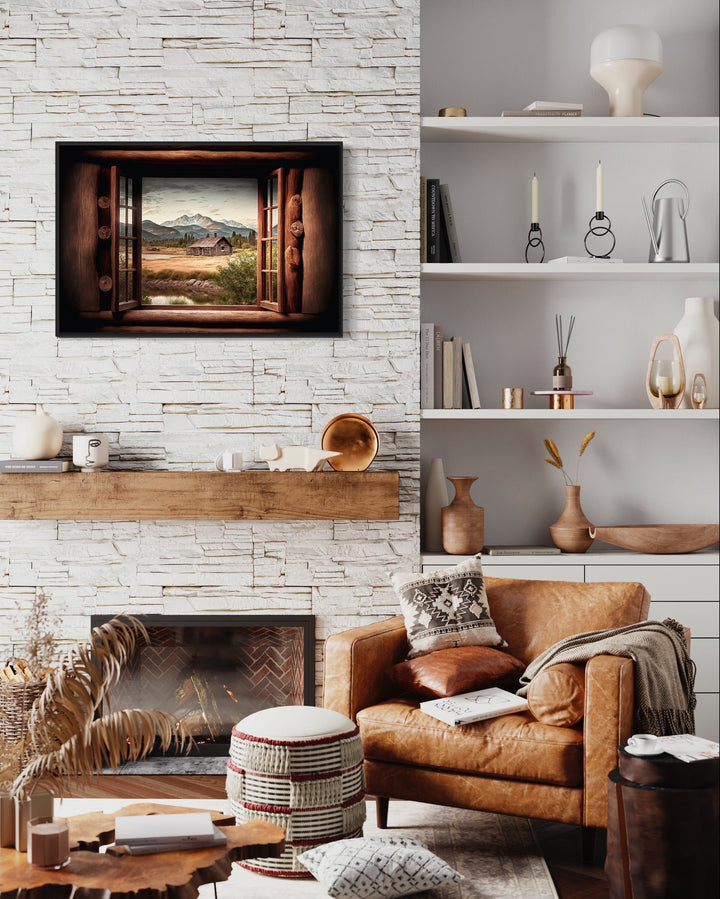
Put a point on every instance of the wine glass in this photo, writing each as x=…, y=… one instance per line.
x=666, y=381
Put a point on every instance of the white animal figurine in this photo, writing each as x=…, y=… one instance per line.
x=282, y=458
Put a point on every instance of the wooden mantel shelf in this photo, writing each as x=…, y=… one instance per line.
x=200, y=495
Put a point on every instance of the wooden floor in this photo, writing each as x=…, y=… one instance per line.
x=561, y=843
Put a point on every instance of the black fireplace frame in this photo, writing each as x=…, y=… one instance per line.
x=306, y=622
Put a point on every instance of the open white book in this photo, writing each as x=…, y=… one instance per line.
x=475, y=706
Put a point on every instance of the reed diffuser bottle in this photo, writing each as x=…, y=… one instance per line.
x=562, y=373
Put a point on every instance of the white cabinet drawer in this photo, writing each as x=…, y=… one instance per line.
x=700, y=617
x=536, y=572
x=706, y=716
x=704, y=653
x=682, y=583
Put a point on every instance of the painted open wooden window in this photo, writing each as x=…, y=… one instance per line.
x=199, y=237
x=271, y=242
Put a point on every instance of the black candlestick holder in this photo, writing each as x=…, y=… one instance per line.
x=600, y=227
x=534, y=240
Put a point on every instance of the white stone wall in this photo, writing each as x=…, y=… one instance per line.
x=201, y=70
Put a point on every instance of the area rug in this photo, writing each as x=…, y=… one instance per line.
x=498, y=855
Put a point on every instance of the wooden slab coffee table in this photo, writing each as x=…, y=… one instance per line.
x=166, y=875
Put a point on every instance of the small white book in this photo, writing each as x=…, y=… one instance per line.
x=149, y=830
x=478, y=705
x=553, y=104
x=569, y=259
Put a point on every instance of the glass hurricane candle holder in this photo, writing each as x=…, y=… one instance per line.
x=666, y=377
x=698, y=394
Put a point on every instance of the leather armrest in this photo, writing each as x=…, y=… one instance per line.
x=356, y=662
x=609, y=702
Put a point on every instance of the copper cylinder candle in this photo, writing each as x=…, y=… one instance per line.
x=512, y=397
x=48, y=842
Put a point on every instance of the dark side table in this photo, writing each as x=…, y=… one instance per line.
x=662, y=838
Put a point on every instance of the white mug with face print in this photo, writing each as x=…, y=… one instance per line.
x=90, y=452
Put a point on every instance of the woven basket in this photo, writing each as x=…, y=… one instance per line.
x=16, y=702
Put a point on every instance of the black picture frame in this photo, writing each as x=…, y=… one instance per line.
x=102, y=254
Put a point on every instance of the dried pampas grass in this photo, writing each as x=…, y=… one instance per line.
x=72, y=732
x=557, y=462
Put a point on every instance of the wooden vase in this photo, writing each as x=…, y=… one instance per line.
x=463, y=523
x=570, y=533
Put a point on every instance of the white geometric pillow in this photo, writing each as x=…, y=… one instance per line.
x=377, y=868
x=446, y=608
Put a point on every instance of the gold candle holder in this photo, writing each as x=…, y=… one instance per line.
x=512, y=397
x=456, y=111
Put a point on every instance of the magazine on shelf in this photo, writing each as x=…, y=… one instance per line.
x=572, y=259
x=541, y=113
x=479, y=705
x=520, y=551
x=423, y=219
x=552, y=104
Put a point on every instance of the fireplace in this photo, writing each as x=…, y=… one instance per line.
x=211, y=671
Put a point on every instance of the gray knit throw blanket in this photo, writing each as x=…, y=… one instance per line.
x=664, y=672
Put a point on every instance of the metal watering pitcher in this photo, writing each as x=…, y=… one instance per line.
x=668, y=234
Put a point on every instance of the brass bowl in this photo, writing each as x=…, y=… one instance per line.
x=659, y=538
x=355, y=437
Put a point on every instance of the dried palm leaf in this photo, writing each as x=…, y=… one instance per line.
x=72, y=731
x=122, y=736
x=553, y=463
x=553, y=450
x=586, y=439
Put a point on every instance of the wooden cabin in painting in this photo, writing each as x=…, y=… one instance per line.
x=210, y=246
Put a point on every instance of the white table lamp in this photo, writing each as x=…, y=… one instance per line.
x=625, y=60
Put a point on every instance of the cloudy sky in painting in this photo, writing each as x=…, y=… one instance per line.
x=223, y=199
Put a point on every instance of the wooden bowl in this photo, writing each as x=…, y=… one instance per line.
x=355, y=437
x=659, y=538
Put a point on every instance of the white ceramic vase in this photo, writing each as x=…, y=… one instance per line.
x=436, y=496
x=699, y=339
x=39, y=437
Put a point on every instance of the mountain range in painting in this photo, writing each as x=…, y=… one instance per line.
x=198, y=225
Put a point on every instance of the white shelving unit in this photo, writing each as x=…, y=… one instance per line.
x=576, y=271
x=570, y=414
x=647, y=465
x=584, y=129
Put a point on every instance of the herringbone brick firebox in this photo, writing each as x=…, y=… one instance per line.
x=212, y=671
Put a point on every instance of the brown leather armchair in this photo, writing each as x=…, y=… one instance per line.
x=513, y=764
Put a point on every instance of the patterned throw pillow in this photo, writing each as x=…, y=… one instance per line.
x=446, y=608
x=377, y=868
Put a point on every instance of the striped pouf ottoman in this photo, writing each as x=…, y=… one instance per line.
x=299, y=767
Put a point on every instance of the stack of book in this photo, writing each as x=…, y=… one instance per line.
x=445, y=363
x=545, y=108
x=147, y=834
x=438, y=235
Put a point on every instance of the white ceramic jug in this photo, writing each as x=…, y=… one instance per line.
x=699, y=339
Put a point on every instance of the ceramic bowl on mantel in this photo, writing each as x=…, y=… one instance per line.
x=659, y=538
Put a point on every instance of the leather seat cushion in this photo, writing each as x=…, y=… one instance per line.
x=512, y=746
